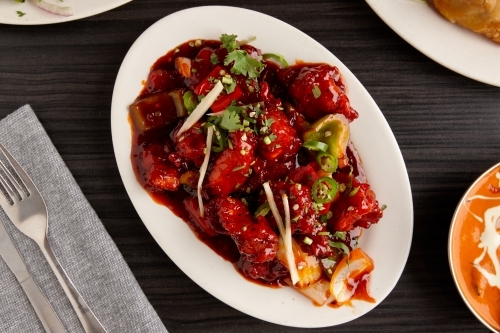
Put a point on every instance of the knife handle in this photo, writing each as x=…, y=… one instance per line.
x=42, y=307
x=87, y=318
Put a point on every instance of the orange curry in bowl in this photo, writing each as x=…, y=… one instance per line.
x=474, y=248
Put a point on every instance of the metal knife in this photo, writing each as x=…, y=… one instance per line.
x=43, y=309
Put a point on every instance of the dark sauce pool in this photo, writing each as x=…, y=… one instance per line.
x=164, y=77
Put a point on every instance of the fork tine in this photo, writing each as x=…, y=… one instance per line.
x=17, y=174
x=6, y=196
x=6, y=180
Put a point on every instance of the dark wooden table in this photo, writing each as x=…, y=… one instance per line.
x=448, y=128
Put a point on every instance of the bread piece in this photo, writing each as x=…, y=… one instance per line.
x=480, y=16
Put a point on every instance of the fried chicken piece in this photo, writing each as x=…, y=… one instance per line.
x=480, y=16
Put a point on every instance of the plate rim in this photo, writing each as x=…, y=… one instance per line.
x=106, y=6
x=453, y=269
x=405, y=181
x=443, y=60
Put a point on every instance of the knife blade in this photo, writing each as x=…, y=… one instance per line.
x=8, y=251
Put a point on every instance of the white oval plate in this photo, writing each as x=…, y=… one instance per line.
x=36, y=16
x=388, y=242
x=450, y=45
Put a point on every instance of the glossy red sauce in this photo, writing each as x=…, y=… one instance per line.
x=154, y=120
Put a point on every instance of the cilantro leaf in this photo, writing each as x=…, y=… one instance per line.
x=20, y=13
x=231, y=121
x=229, y=42
x=243, y=64
x=236, y=109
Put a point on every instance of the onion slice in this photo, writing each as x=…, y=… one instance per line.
x=203, y=168
x=200, y=110
x=54, y=9
x=286, y=234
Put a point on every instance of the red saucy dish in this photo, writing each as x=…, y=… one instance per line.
x=255, y=156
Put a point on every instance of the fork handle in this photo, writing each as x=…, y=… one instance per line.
x=89, y=321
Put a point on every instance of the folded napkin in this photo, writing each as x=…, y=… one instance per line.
x=79, y=240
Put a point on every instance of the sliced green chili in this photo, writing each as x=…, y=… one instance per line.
x=190, y=102
x=327, y=162
x=315, y=145
x=324, y=190
x=277, y=57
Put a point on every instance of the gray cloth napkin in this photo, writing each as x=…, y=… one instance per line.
x=78, y=239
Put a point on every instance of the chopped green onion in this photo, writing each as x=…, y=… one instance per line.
x=327, y=162
x=263, y=210
x=316, y=145
x=340, y=246
x=307, y=240
x=340, y=234
x=239, y=168
x=267, y=140
x=227, y=80
x=353, y=192
x=316, y=91
x=383, y=207
x=324, y=233
x=324, y=190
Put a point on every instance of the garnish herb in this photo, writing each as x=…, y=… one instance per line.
x=229, y=42
x=242, y=63
x=214, y=59
x=229, y=83
x=20, y=13
x=307, y=240
x=316, y=91
x=231, y=121
x=353, y=192
x=239, y=168
x=341, y=246
x=263, y=210
x=340, y=235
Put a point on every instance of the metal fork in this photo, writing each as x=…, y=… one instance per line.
x=25, y=207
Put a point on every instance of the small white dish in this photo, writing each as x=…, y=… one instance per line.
x=450, y=45
x=35, y=16
x=388, y=242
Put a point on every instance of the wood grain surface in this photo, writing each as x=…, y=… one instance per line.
x=446, y=125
